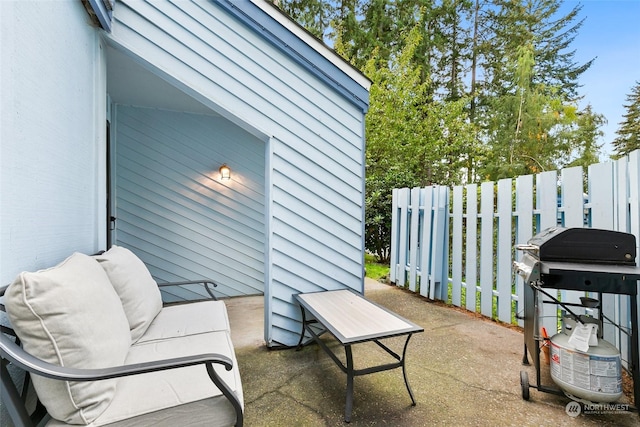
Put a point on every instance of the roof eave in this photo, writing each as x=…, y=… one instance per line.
x=300, y=45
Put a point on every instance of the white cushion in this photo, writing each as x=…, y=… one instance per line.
x=70, y=315
x=142, y=394
x=187, y=319
x=132, y=281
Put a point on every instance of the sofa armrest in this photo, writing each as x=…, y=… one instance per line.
x=13, y=353
x=206, y=283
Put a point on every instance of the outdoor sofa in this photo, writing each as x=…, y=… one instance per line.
x=101, y=349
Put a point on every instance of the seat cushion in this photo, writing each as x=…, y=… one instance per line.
x=132, y=281
x=71, y=316
x=187, y=319
x=142, y=394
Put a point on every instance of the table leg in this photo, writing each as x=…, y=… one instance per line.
x=304, y=322
x=350, y=375
x=404, y=371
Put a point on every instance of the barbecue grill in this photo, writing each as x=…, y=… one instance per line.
x=579, y=259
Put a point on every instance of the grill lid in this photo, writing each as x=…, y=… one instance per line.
x=583, y=245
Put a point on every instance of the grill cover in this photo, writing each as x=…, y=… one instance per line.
x=584, y=245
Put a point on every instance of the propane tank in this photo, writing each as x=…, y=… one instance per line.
x=594, y=375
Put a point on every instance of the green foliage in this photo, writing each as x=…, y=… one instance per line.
x=628, y=138
x=410, y=141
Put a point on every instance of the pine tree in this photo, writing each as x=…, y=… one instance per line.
x=516, y=23
x=528, y=102
x=628, y=138
x=314, y=15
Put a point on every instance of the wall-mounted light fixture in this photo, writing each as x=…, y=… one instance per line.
x=225, y=172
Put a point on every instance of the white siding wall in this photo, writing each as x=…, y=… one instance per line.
x=314, y=166
x=52, y=138
x=172, y=209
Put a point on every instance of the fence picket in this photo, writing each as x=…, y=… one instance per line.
x=504, y=249
x=403, y=204
x=441, y=237
x=414, y=209
x=524, y=229
x=428, y=239
x=547, y=210
x=471, y=271
x=395, y=221
x=486, y=248
x=571, y=212
x=602, y=207
x=456, y=247
x=601, y=202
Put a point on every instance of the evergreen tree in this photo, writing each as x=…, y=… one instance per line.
x=410, y=142
x=628, y=138
x=528, y=105
x=314, y=15
x=451, y=46
x=516, y=23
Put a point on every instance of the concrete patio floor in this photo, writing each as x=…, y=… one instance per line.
x=464, y=371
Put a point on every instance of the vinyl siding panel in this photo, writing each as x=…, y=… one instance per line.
x=173, y=211
x=314, y=135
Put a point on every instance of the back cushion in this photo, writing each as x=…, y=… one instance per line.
x=70, y=315
x=138, y=291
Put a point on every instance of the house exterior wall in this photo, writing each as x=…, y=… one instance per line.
x=52, y=137
x=315, y=141
x=173, y=210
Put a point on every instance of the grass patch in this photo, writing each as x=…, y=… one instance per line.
x=375, y=270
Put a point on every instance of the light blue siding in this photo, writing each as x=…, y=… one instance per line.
x=311, y=125
x=52, y=137
x=296, y=48
x=173, y=210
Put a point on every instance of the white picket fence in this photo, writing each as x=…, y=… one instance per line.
x=457, y=244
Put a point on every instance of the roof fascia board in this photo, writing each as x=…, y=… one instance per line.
x=103, y=10
x=324, y=50
x=303, y=47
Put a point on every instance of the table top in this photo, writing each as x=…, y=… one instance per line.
x=352, y=318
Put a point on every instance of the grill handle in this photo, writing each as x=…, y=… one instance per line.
x=526, y=247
